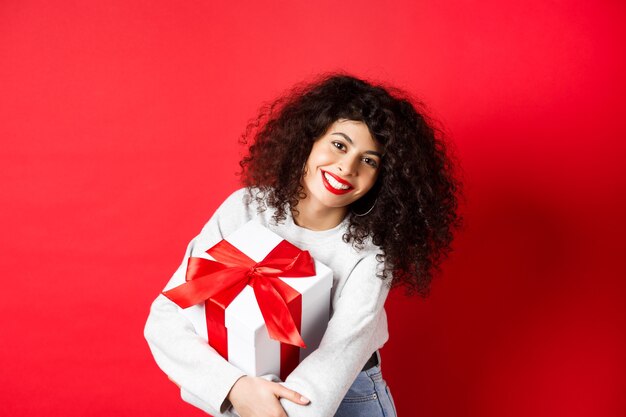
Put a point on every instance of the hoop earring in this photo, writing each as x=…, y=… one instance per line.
x=367, y=212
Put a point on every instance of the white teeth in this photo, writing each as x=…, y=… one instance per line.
x=334, y=183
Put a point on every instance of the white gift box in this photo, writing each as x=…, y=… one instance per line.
x=249, y=346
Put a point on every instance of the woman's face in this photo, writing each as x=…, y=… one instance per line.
x=343, y=164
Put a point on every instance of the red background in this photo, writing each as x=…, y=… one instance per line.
x=119, y=124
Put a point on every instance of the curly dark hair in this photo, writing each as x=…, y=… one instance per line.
x=416, y=194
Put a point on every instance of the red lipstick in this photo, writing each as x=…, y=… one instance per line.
x=333, y=189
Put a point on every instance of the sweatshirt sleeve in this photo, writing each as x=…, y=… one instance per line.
x=350, y=339
x=204, y=376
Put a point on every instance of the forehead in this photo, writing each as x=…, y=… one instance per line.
x=358, y=132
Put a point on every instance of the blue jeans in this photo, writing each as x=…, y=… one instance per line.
x=369, y=396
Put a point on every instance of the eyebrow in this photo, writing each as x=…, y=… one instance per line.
x=346, y=137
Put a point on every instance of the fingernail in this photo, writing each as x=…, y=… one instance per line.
x=304, y=399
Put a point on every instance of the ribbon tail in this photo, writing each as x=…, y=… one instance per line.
x=278, y=319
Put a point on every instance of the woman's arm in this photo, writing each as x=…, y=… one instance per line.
x=204, y=377
x=187, y=359
x=180, y=352
x=353, y=334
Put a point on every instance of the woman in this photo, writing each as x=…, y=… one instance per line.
x=357, y=176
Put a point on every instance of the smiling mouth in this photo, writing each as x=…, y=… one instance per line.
x=334, y=185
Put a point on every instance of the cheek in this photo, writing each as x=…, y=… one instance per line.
x=320, y=157
x=370, y=179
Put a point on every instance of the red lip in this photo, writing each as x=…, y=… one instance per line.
x=330, y=187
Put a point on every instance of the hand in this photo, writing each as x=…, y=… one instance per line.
x=257, y=397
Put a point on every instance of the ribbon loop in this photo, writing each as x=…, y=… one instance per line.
x=206, y=280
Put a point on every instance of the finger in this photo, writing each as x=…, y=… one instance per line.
x=291, y=395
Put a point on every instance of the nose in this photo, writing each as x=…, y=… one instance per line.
x=348, y=165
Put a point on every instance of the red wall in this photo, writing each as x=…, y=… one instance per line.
x=119, y=124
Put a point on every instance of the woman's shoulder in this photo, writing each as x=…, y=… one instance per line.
x=235, y=198
x=241, y=199
x=366, y=252
x=249, y=196
x=234, y=211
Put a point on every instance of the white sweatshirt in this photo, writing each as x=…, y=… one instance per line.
x=357, y=328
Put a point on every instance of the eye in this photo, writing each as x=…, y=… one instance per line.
x=339, y=145
x=371, y=162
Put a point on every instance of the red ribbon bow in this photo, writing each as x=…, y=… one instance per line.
x=219, y=282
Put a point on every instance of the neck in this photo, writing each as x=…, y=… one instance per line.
x=317, y=217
